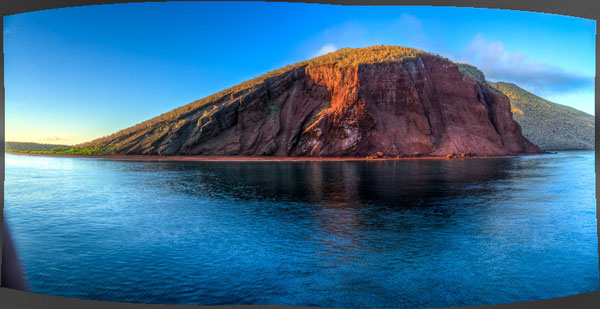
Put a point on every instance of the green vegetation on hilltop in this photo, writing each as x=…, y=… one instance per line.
x=344, y=57
x=549, y=125
x=91, y=150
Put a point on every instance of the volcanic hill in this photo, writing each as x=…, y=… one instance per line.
x=390, y=100
x=549, y=125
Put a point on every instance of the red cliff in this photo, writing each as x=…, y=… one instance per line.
x=357, y=102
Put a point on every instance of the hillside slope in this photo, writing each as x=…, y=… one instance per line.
x=352, y=102
x=549, y=125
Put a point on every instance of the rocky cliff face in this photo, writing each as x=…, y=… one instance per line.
x=416, y=106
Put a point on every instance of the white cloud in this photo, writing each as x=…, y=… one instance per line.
x=326, y=49
x=499, y=64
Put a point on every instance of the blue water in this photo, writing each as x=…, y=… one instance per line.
x=414, y=233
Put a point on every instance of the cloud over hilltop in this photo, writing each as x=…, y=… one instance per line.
x=499, y=64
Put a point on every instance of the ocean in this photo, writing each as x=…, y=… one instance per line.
x=405, y=233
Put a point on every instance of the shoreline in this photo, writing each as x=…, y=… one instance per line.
x=158, y=158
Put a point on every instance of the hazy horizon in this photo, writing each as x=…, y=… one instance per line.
x=75, y=74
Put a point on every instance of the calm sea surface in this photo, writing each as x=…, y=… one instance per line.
x=414, y=233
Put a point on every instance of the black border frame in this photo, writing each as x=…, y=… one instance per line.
x=589, y=9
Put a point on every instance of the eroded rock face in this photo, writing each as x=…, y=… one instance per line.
x=420, y=106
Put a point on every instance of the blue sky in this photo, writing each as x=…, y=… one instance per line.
x=75, y=74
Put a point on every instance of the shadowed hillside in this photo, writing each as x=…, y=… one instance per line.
x=549, y=125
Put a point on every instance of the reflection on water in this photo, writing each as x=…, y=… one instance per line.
x=431, y=233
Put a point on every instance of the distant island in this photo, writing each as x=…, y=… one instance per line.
x=380, y=101
x=28, y=147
